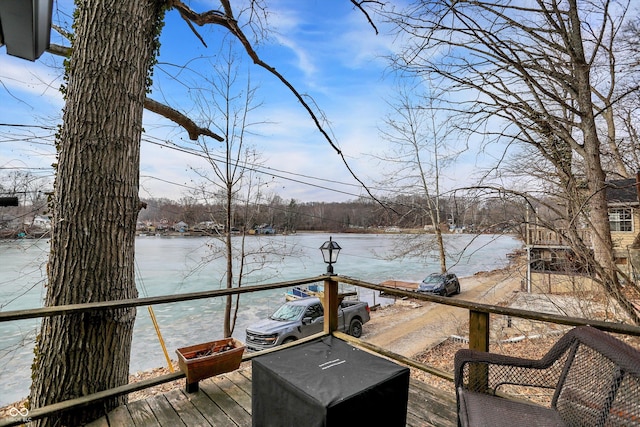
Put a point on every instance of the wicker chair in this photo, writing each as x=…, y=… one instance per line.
x=588, y=378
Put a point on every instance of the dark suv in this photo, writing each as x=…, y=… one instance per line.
x=443, y=284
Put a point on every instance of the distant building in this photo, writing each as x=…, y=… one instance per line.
x=209, y=227
x=553, y=265
x=42, y=221
x=263, y=229
x=181, y=226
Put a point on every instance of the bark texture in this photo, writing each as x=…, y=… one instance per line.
x=95, y=206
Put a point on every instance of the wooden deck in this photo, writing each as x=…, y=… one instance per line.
x=225, y=400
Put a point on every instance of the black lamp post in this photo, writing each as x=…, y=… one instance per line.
x=330, y=251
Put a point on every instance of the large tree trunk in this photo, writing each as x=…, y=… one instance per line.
x=598, y=210
x=95, y=207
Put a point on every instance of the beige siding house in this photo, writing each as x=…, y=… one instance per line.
x=552, y=266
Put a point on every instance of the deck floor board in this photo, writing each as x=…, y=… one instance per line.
x=225, y=401
x=230, y=407
x=141, y=413
x=164, y=413
x=210, y=410
x=241, y=380
x=235, y=392
x=189, y=413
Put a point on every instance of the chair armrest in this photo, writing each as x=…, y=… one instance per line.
x=466, y=355
x=501, y=369
x=511, y=367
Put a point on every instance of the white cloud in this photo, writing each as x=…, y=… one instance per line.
x=33, y=79
x=304, y=62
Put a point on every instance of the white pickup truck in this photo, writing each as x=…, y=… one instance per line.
x=303, y=317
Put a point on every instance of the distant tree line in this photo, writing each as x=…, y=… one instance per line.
x=465, y=214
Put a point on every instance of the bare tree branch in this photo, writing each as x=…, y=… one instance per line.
x=56, y=49
x=227, y=20
x=174, y=115
x=165, y=111
x=547, y=74
x=359, y=4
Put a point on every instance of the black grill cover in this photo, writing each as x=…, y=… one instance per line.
x=327, y=382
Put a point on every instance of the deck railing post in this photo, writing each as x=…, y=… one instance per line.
x=478, y=330
x=478, y=340
x=330, y=304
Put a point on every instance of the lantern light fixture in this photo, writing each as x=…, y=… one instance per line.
x=330, y=250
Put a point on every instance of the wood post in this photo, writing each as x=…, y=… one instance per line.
x=478, y=340
x=478, y=330
x=330, y=304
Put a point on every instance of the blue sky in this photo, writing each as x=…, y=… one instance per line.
x=325, y=49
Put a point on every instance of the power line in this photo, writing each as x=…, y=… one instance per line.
x=22, y=168
x=197, y=153
x=18, y=125
x=265, y=170
x=256, y=169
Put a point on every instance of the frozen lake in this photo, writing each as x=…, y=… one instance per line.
x=167, y=266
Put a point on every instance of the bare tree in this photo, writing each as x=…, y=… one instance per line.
x=420, y=150
x=30, y=190
x=228, y=107
x=291, y=216
x=27, y=186
x=533, y=74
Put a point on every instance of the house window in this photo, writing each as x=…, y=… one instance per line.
x=621, y=219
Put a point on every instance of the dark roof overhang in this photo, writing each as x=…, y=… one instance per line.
x=25, y=27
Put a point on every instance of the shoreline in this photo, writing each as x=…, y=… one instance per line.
x=378, y=329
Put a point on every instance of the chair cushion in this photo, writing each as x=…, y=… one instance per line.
x=485, y=410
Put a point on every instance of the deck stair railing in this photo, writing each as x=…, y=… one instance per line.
x=479, y=327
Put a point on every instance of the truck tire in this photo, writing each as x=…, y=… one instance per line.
x=355, y=328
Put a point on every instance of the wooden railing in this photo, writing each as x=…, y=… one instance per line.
x=479, y=327
x=541, y=236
